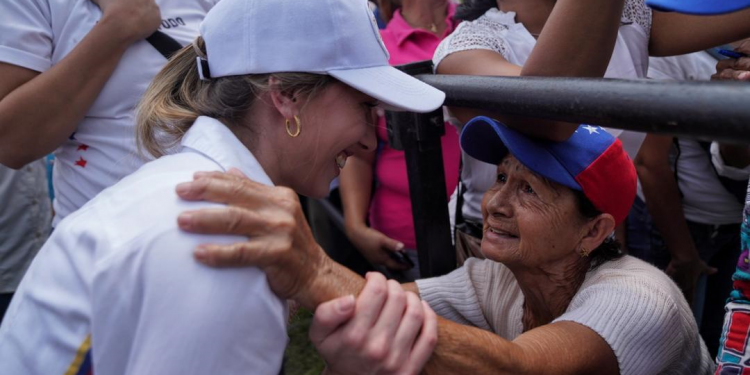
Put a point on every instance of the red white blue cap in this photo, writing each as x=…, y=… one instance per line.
x=335, y=37
x=699, y=7
x=591, y=160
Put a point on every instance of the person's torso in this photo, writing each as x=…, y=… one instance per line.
x=24, y=220
x=102, y=150
x=390, y=210
x=79, y=302
x=704, y=198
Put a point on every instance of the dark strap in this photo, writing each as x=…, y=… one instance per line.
x=165, y=44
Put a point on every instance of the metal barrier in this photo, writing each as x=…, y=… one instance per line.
x=704, y=110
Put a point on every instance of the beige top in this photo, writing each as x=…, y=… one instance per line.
x=636, y=308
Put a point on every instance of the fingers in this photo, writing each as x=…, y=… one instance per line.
x=425, y=345
x=391, y=244
x=369, y=304
x=242, y=254
x=223, y=188
x=388, y=321
x=708, y=270
x=329, y=316
x=731, y=75
x=224, y=220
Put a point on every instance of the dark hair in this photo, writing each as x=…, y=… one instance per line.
x=610, y=249
x=473, y=9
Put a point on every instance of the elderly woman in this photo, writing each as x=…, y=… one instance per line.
x=554, y=296
x=282, y=90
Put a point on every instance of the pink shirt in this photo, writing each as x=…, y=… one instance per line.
x=390, y=211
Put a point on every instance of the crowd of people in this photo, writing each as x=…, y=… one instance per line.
x=170, y=237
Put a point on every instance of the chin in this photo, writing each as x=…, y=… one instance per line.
x=317, y=190
x=496, y=253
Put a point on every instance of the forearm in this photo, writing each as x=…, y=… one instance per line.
x=677, y=34
x=585, y=51
x=469, y=350
x=38, y=116
x=331, y=280
x=663, y=202
x=356, y=189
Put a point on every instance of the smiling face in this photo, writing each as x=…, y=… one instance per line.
x=528, y=220
x=334, y=124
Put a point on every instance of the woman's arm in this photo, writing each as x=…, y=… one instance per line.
x=676, y=34
x=665, y=206
x=564, y=49
x=39, y=111
x=356, y=193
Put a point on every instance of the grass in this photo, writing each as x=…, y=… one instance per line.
x=301, y=357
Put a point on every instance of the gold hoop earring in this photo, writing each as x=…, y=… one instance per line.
x=297, y=131
x=584, y=253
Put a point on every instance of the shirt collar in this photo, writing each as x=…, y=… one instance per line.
x=213, y=139
x=402, y=30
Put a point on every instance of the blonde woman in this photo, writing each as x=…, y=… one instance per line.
x=283, y=91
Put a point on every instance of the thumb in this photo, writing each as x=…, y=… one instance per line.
x=708, y=270
x=329, y=316
x=391, y=244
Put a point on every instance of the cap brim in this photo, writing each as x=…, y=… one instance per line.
x=699, y=7
x=395, y=89
x=490, y=141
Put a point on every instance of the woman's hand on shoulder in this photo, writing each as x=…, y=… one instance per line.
x=279, y=239
x=131, y=19
x=386, y=330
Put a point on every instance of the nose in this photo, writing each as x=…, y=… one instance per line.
x=497, y=201
x=369, y=141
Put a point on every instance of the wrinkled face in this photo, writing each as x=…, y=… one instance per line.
x=335, y=124
x=528, y=220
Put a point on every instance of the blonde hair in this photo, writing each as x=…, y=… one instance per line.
x=177, y=96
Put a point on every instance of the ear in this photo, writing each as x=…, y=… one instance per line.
x=284, y=102
x=596, y=231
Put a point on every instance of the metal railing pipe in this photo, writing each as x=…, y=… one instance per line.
x=703, y=110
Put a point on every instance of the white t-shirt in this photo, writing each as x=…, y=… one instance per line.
x=117, y=285
x=38, y=34
x=25, y=220
x=704, y=198
x=498, y=31
x=633, y=306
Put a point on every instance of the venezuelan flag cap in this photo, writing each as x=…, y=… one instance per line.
x=591, y=161
x=699, y=7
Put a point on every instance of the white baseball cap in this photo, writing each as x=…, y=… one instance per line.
x=335, y=37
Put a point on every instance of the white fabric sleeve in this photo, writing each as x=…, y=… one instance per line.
x=640, y=324
x=739, y=174
x=454, y=297
x=26, y=38
x=192, y=319
x=638, y=12
x=482, y=33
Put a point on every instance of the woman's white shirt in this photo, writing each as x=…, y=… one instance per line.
x=119, y=275
x=498, y=31
x=633, y=306
x=38, y=34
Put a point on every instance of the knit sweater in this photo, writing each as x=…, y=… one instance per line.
x=636, y=308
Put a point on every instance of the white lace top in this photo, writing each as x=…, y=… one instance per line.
x=498, y=31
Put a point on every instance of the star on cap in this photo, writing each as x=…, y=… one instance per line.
x=591, y=129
